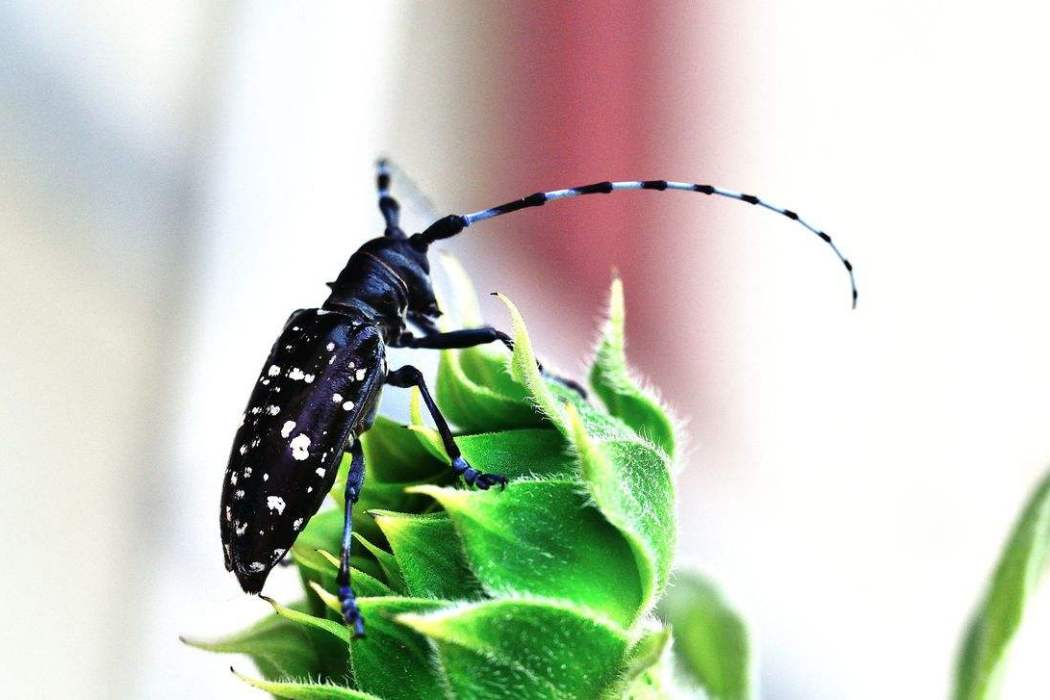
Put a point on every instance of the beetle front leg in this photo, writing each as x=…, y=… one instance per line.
x=355, y=477
x=468, y=338
x=408, y=376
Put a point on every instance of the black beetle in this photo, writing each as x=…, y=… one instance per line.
x=319, y=388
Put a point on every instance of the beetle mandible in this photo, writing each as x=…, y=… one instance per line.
x=319, y=388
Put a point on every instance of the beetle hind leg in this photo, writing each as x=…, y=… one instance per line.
x=354, y=480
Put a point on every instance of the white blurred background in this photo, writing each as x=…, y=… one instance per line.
x=176, y=177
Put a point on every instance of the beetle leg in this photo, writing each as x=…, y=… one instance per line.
x=354, y=479
x=409, y=376
x=468, y=338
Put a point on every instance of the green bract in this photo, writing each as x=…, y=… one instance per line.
x=544, y=590
x=982, y=658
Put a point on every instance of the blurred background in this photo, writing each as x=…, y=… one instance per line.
x=175, y=178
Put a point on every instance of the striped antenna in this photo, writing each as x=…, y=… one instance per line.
x=451, y=225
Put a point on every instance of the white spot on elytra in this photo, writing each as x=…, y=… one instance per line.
x=295, y=328
x=308, y=378
x=256, y=567
x=275, y=503
x=242, y=449
x=229, y=514
x=299, y=445
x=309, y=489
x=360, y=374
x=256, y=410
x=336, y=398
x=241, y=528
x=287, y=429
x=266, y=476
x=274, y=370
x=238, y=495
x=297, y=524
x=273, y=410
x=296, y=374
x=330, y=347
x=233, y=478
x=349, y=405
x=247, y=472
x=278, y=553
x=320, y=472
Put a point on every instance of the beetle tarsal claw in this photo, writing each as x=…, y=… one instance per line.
x=479, y=480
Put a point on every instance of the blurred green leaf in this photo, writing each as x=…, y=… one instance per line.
x=523, y=649
x=619, y=391
x=545, y=540
x=710, y=640
x=983, y=655
x=648, y=673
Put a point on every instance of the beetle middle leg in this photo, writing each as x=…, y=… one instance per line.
x=408, y=376
x=354, y=479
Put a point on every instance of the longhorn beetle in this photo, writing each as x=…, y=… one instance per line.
x=319, y=388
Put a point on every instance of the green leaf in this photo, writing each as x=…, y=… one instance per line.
x=523, y=649
x=710, y=640
x=379, y=495
x=529, y=452
x=391, y=660
x=321, y=540
x=429, y=555
x=365, y=584
x=474, y=406
x=619, y=391
x=983, y=656
x=633, y=489
x=543, y=538
x=525, y=371
x=394, y=455
x=391, y=569
x=485, y=365
x=295, y=690
x=282, y=648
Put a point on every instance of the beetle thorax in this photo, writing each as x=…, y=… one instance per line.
x=384, y=280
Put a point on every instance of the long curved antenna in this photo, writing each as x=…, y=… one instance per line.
x=453, y=224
